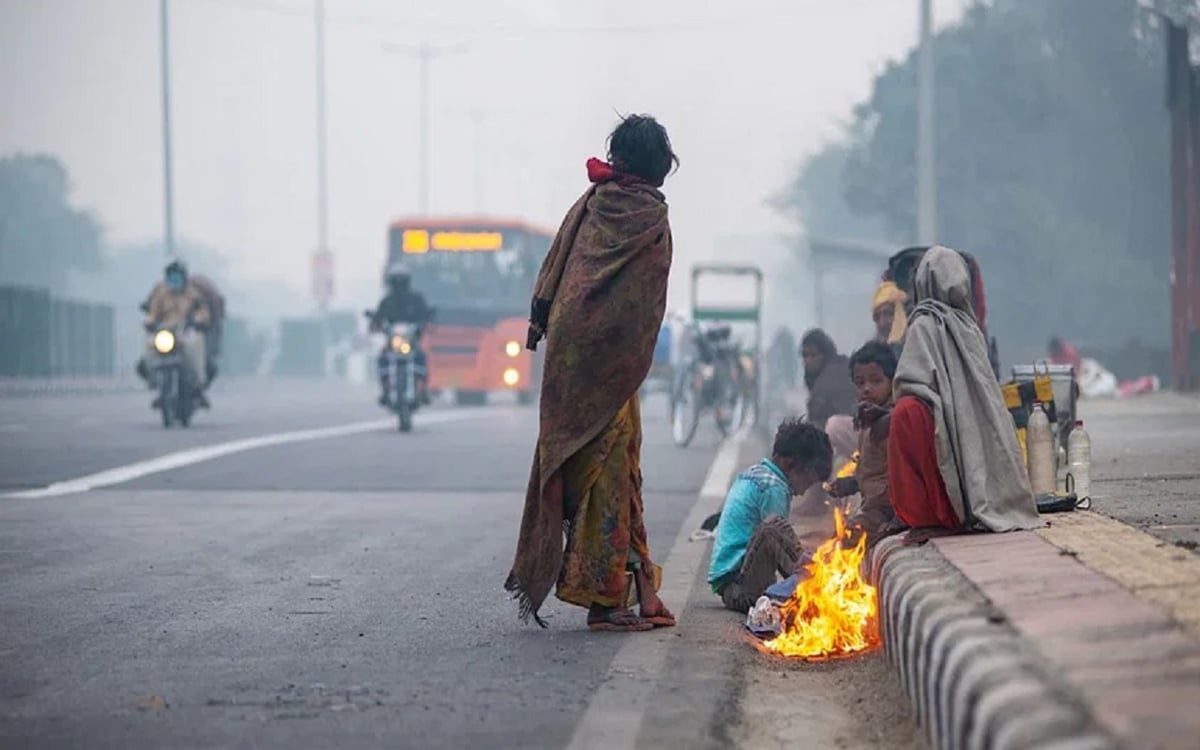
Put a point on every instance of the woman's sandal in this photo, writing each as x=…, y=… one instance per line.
x=620, y=621
x=662, y=618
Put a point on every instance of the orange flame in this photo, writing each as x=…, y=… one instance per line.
x=833, y=610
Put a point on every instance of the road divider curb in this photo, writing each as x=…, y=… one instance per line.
x=971, y=680
x=1080, y=635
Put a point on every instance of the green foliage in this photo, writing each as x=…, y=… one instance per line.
x=42, y=236
x=1052, y=149
x=822, y=212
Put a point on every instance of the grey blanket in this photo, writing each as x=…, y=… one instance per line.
x=945, y=364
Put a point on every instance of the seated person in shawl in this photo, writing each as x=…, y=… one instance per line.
x=830, y=392
x=953, y=458
x=599, y=302
x=872, y=367
x=831, y=406
x=754, y=540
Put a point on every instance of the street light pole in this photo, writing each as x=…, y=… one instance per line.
x=168, y=172
x=477, y=128
x=322, y=193
x=425, y=54
x=926, y=163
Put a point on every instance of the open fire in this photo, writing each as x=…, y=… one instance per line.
x=833, y=610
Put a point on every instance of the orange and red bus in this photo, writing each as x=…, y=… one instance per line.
x=479, y=274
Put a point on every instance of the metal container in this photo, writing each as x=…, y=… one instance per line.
x=1062, y=382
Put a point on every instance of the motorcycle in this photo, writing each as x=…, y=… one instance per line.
x=400, y=359
x=712, y=378
x=177, y=385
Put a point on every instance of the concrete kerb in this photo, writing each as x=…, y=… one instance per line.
x=970, y=679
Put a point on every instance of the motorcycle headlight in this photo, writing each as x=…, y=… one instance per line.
x=512, y=348
x=707, y=371
x=164, y=342
x=401, y=345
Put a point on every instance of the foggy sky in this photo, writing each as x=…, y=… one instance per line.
x=745, y=89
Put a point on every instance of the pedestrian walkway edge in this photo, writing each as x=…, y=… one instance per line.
x=972, y=681
x=614, y=716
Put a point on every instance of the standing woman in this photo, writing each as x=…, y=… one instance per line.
x=599, y=301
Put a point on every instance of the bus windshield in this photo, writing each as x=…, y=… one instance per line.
x=471, y=266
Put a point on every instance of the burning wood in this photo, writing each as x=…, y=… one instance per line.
x=833, y=610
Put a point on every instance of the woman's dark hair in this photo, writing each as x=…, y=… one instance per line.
x=640, y=146
x=806, y=444
x=819, y=340
x=878, y=353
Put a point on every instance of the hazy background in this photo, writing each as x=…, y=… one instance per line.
x=747, y=90
x=791, y=117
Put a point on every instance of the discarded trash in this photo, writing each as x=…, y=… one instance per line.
x=764, y=618
x=151, y=703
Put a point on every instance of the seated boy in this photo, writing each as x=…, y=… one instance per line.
x=872, y=369
x=754, y=539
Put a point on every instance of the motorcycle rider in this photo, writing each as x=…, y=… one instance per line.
x=216, y=328
x=177, y=301
x=402, y=304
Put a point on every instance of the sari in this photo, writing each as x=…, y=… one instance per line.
x=599, y=302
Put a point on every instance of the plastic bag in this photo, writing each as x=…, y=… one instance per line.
x=764, y=617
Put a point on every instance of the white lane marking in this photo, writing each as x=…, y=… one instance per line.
x=724, y=467
x=179, y=459
x=613, y=719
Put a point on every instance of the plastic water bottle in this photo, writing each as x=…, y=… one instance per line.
x=1039, y=441
x=1079, y=459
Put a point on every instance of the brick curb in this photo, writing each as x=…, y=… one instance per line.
x=973, y=681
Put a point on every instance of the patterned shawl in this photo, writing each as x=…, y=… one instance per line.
x=599, y=302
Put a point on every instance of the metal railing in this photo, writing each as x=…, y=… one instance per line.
x=42, y=336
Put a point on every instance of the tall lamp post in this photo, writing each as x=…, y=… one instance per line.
x=168, y=172
x=926, y=161
x=426, y=54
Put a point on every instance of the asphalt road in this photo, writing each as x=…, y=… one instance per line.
x=346, y=592
x=1146, y=463
x=321, y=593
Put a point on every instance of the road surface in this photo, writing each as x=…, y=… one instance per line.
x=346, y=591
x=355, y=579
x=1146, y=464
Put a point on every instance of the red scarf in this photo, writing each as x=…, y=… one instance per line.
x=601, y=171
